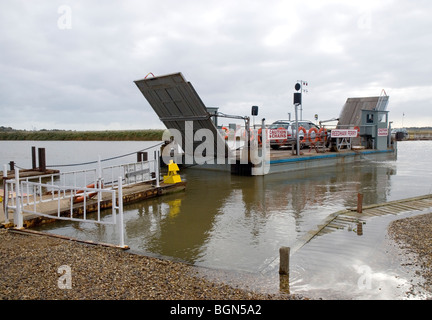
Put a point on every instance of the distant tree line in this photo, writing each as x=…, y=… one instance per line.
x=7, y=133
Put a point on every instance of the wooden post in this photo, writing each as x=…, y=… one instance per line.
x=12, y=165
x=34, y=158
x=359, y=229
x=142, y=156
x=42, y=163
x=284, y=253
x=360, y=203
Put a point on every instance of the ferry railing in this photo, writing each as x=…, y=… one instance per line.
x=64, y=202
x=106, y=177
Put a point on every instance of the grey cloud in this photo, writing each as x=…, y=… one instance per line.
x=235, y=53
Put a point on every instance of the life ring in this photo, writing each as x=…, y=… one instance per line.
x=305, y=134
x=317, y=137
x=260, y=136
x=80, y=198
x=358, y=130
x=323, y=134
x=251, y=134
x=226, y=130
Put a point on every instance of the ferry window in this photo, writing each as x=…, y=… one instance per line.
x=369, y=118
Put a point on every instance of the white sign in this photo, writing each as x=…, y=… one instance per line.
x=344, y=133
x=382, y=132
x=276, y=134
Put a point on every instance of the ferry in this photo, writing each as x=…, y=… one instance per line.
x=195, y=140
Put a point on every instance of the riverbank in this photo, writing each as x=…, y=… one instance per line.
x=413, y=236
x=30, y=264
x=29, y=267
x=132, y=135
x=63, y=135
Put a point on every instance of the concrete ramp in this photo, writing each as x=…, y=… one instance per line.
x=178, y=106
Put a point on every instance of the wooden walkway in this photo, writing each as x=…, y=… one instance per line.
x=27, y=173
x=350, y=218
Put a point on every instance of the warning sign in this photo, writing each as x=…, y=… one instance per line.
x=382, y=132
x=277, y=134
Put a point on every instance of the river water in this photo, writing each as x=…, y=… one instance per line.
x=239, y=223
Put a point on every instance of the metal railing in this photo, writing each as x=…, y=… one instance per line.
x=64, y=190
x=107, y=177
x=63, y=200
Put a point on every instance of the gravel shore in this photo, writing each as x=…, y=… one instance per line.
x=29, y=268
x=414, y=237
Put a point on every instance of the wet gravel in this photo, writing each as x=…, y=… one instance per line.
x=414, y=238
x=29, y=269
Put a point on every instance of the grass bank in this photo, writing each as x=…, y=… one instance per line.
x=109, y=135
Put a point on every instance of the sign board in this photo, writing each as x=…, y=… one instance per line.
x=382, y=132
x=276, y=134
x=344, y=133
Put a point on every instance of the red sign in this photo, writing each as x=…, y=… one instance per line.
x=382, y=132
x=277, y=134
x=344, y=133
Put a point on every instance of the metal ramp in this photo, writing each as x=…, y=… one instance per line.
x=179, y=107
x=352, y=110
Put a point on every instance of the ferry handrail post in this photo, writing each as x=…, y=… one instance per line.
x=18, y=217
x=120, y=210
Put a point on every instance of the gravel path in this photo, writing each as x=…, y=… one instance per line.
x=29, y=270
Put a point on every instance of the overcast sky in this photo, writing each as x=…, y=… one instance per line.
x=71, y=64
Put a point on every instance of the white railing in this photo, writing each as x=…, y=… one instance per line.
x=24, y=196
x=107, y=177
x=27, y=195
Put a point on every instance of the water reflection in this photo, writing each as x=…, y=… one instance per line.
x=233, y=222
x=239, y=223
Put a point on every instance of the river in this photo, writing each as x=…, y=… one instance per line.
x=230, y=222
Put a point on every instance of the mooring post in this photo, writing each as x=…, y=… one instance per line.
x=42, y=163
x=359, y=202
x=142, y=156
x=12, y=165
x=284, y=253
x=34, y=158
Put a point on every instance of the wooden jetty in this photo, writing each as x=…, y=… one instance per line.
x=131, y=194
x=27, y=173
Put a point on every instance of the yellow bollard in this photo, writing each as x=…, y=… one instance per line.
x=173, y=176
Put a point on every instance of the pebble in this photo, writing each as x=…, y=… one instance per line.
x=29, y=268
x=413, y=237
